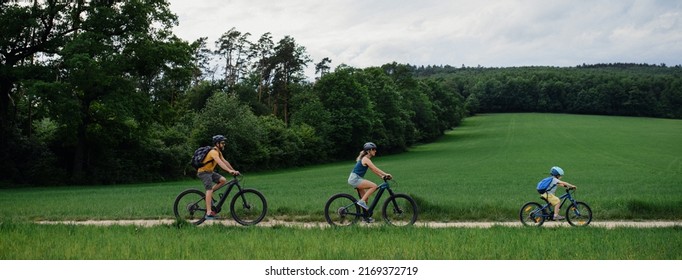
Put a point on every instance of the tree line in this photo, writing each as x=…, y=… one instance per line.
x=103, y=92
x=624, y=89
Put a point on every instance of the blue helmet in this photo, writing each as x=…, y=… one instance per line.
x=556, y=171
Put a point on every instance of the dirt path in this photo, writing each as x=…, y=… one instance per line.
x=270, y=223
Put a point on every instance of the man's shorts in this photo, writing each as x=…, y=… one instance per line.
x=354, y=180
x=209, y=179
x=551, y=198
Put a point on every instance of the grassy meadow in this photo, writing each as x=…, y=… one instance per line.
x=72, y=242
x=625, y=169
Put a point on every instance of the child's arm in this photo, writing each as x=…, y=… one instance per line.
x=567, y=185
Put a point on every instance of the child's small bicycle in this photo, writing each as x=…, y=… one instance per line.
x=398, y=210
x=578, y=213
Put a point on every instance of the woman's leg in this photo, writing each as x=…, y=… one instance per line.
x=366, y=188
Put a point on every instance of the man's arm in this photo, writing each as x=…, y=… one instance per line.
x=225, y=165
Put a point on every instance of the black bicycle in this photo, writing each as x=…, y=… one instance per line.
x=247, y=207
x=399, y=209
x=578, y=213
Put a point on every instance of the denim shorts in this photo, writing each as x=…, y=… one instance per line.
x=209, y=179
x=354, y=180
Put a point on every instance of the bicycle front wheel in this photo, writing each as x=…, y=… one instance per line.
x=341, y=210
x=579, y=214
x=248, y=207
x=531, y=214
x=190, y=206
x=400, y=210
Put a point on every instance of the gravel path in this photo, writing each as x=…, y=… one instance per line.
x=270, y=223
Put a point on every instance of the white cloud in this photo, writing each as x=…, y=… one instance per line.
x=431, y=32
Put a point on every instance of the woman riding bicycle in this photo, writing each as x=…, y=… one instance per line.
x=356, y=179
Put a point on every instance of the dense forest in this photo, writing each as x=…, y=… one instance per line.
x=103, y=92
x=624, y=89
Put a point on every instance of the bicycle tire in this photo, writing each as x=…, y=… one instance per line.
x=530, y=214
x=400, y=210
x=190, y=206
x=579, y=214
x=248, y=207
x=341, y=210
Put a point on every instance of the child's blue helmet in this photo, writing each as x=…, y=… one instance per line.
x=556, y=171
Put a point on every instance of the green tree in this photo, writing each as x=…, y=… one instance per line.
x=287, y=65
x=311, y=119
x=117, y=76
x=351, y=114
x=26, y=31
x=234, y=48
x=224, y=114
x=323, y=67
x=392, y=127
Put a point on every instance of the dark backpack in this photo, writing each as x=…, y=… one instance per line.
x=543, y=186
x=199, y=156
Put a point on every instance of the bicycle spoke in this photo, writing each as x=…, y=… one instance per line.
x=190, y=206
x=248, y=207
x=579, y=214
x=531, y=214
x=341, y=210
x=400, y=210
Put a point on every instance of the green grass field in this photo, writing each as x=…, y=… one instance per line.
x=484, y=170
x=625, y=168
x=31, y=241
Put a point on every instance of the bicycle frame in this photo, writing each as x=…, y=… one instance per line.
x=563, y=198
x=382, y=188
x=223, y=196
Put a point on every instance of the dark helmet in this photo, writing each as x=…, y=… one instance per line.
x=368, y=146
x=218, y=138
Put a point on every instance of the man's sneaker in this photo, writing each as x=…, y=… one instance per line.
x=368, y=220
x=362, y=204
x=559, y=218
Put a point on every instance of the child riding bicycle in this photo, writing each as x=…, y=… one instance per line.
x=556, y=172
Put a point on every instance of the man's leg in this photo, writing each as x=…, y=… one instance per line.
x=209, y=194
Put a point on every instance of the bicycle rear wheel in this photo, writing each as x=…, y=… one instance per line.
x=248, y=207
x=579, y=214
x=531, y=214
x=190, y=206
x=341, y=210
x=400, y=210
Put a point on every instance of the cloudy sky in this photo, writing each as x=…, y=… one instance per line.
x=502, y=33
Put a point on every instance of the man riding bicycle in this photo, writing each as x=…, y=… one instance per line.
x=213, y=180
